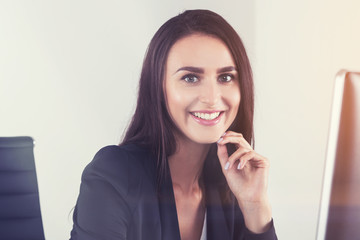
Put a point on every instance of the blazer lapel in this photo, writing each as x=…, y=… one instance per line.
x=219, y=219
x=168, y=214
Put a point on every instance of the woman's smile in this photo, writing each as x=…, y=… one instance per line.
x=207, y=118
x=211, y=115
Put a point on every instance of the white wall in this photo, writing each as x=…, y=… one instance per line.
x=299, y=47
x=68, y=77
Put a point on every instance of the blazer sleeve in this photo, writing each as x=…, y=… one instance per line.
x=268, y=235
x=243, y=233
x=102, y=210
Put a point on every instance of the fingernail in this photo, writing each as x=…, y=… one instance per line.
x=218, y=141
x=227, y=165
x=239, y=166
x=223, y=134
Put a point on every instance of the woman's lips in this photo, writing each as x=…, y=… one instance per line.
x=207, y=118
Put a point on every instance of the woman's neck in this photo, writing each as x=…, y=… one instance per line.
x=186, y=165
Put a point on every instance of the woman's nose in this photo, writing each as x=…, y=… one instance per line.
x=210, y=94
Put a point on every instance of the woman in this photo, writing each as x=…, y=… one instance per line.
x=186, y=168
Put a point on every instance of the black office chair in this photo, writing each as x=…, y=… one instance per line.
x=20, y=215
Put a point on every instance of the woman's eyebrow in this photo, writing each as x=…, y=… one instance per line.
x=201, y=70
x=226, y=69
x=191, y=69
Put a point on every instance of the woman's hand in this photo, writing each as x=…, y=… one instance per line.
x=246, y=173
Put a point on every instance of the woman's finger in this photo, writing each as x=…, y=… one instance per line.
x=257, y=160
x=237, y=140
x=237, y=155
x=231, y=133
x=222, y=155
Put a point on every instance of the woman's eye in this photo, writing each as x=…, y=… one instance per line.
x=226, y=78
x=190, y=78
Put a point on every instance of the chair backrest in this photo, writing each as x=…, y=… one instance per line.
x=20, y=215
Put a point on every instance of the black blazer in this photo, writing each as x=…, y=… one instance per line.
x=119, y=200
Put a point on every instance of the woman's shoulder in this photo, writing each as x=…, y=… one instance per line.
x=122, y=163
x=119, y=155
x=113, y=185
x=116, y=151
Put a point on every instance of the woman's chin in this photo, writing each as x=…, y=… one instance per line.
x=207, y=139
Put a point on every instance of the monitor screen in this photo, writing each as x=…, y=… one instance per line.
x=339, y=216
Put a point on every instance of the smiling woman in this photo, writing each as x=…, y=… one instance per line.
x=173, y=176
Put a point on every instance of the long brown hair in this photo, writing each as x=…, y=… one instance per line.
x=151, y=125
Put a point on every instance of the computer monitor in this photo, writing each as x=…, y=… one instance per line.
x=339, y=215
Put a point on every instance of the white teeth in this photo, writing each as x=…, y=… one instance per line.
x=206, y=116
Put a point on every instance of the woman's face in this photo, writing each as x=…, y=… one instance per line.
x=201, y=87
